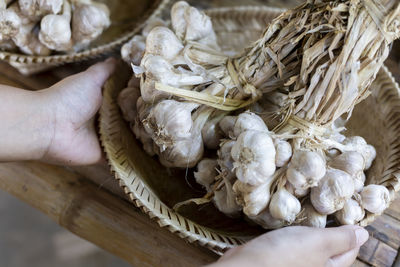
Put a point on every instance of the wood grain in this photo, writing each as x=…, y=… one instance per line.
x=98, y=216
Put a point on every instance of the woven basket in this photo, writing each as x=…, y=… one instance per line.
x=127, y=17
x=156, y=189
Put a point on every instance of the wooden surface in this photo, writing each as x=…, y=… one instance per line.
x=67, y=196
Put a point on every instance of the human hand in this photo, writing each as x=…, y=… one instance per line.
x=298, y=246
x=72, y=104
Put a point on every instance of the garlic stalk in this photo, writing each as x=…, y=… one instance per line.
x=55, y=30
x=375, y=198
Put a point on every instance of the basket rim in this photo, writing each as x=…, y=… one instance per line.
x=217, y=245
x=155, y=9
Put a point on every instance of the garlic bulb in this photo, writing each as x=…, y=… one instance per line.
x=312, y=218
x=353, y=163
x=35, y=9
x=140, y=133
x=55, y=30
x=10, y=24
x=248, y=121
x=191, y=24
x=226, y=125
x=225, y=160
x=206, y=172
x=161, y=41
x=375, y=198
x=283, y=152
x=253, y=157
x=169, y=121
x=334, y=189
x=149, y=92
x=357, y=143
x=127, y=100
x=254, y=199
x=88, y=22
x=284, y=206
x=266, y=220
x=351, y=213
x=211, y=133
x=297, y=192
x=28, y=41
x=306, y=169
x=151, y=24
x=224, y=200
x=132, y=51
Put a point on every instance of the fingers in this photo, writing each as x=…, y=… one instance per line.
x=343, y=239
x=100, y=72
x=343, y=260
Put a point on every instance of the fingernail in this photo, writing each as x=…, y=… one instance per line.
x=362, y=236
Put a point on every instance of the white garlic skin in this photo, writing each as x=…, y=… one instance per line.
x=145, y=139
x=149, y=92
x=225, y=160
x=151, y=24
x=224, y=200
x=284, y=206
x=297, y=192
x=212, y=134
x=332, y=191
x=306, y=169
x=283, y=152
x=227, y=124
x=35, y=9
x=351, y=213
x=10, y=24
x=254, y=199
x=206, y=172
x=248, y=121
x=88, y=22
x=127, y=100
x=359, y=182
x=312, y=217
x=254, y=157
x=266, y=220
x=375, y=198
x=161, y=41
x=132, y=51
x=357, y=143
x=178, y=18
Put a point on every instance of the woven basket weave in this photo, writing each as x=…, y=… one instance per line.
x=127, y=18
x=156, y=189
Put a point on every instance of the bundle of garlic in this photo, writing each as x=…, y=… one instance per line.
x=38, y=27
x=314, y=64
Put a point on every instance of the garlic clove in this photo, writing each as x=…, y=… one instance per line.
x=206, y=172
x=351, y=162
x=127, y=100
x=211, y=133
x=35, y=9
x=161, y=41
x=225, y=160
x=283, y=152
x=248, y=121
x=312, y=218
x=151, y=24
x=375, y=198
x=178, y=21
x=332, y=191
x=297, y=192
x=224, y=200
x=306, y=169
x=145, y=139
x=132, y=51
x=369, y=155
x=266, y=220
x=254, y=157
x=357, y=143
x=227, y=124
x=351, y=213
x=284, y=206
x=199, y=27
x=359, y=182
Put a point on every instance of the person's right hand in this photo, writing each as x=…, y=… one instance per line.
x=300, y=247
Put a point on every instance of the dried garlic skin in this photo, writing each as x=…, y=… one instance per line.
x=127, y=100
x=332, y=191
x=206, y=172
x=248, y=121
x=28, y=41
x=353, y=163
x=253, y=199
x=132, y=51
x=178, y=18
x=351, y=213
x=227, y=124
x=36, y=9
x=312, y=218
x=306, y=169
x=254, y=157
x=283, y=152
x=225, y=160
x=375, y=198
x=89, y=20
x=55, y=30
x=266, y=220
x=163, y=42
x=284, y=206
x=149, y=92
x=224, y=200
x=357, y=143
x=10, y=24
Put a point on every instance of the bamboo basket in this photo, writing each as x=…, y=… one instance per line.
x=127, y=18
x=156, y=189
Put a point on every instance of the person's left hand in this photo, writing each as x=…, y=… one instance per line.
x=73, y=103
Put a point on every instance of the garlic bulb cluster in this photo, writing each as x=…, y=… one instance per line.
x=38, y=27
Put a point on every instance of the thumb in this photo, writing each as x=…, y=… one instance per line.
x=100, y=72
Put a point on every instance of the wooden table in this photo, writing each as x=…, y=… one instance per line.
x=71, y=198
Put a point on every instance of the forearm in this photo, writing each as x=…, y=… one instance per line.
x=25, y=124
